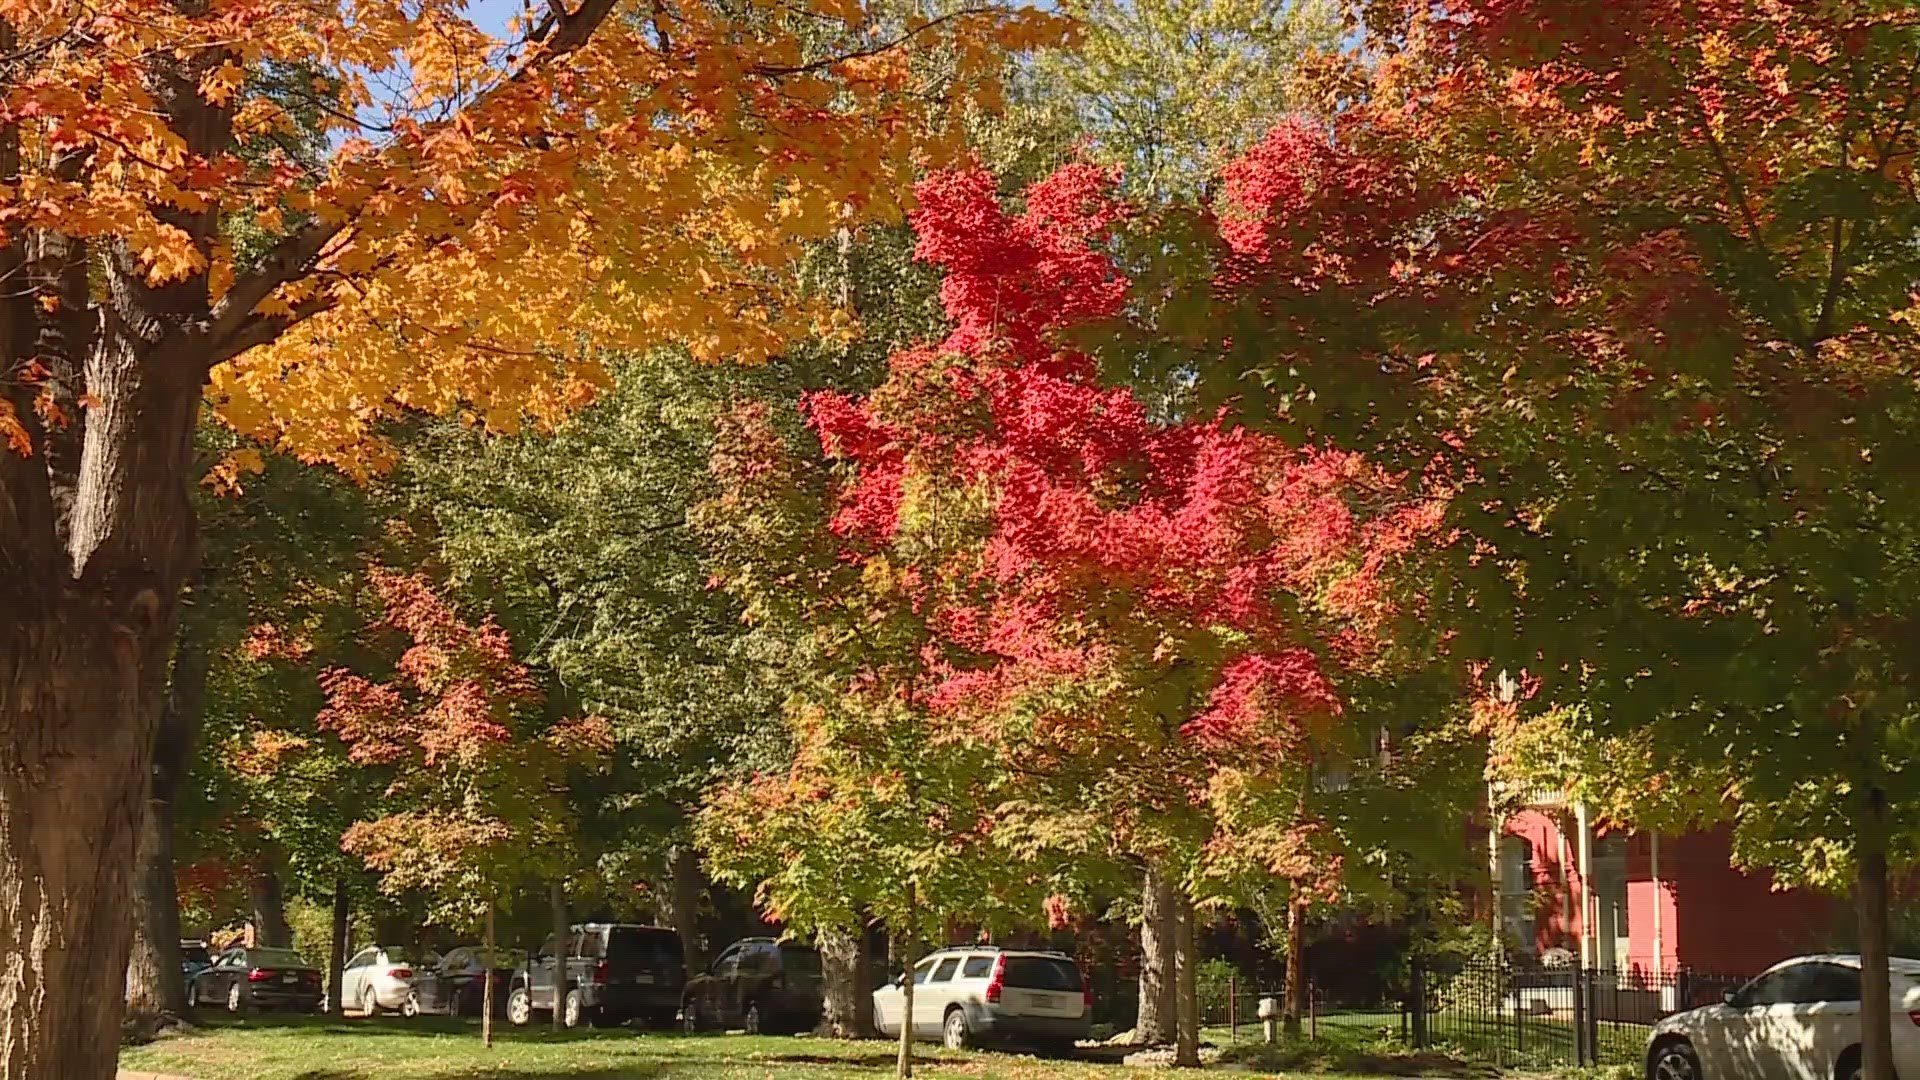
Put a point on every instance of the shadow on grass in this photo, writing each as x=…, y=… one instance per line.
x=641, y=1071
x=357, y=1028
x=1309, y=1057
x=850, y=1061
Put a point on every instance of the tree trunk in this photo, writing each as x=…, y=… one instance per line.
x=1296, y=968
x=77, y=704
x=563, y=950
x=1156, y=1022
x=155, y=982
x=270, y=928
x=337, y=955
x=1187, y=1007
x=486, y=988
x=1870, y=895
x=685, y=884
x=904, y=1065
x=848, y=1011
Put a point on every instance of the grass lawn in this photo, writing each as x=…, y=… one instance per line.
x=277, y=1048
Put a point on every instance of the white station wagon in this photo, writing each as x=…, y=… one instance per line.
x=1800, y=1020
x=979, y=994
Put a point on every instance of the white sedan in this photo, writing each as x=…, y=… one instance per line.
x=381, y=977
x=1800, y=1020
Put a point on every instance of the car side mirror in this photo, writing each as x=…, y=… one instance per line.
x=1731, y=997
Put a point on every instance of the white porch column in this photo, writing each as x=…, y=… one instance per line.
x=1587, y=941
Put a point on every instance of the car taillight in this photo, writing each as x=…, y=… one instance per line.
x=1915, y=1017
x=261, y=974
x=400, y=973
x=997, y=982
x=600, y=971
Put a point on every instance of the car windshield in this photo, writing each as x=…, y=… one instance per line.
x=275, y=958
x=401, y=954
x=1042, y=973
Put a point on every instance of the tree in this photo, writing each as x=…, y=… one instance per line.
x=1642, y=286
x=589, y=176
x=478, y=800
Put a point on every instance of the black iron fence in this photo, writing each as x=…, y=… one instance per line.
x=1506, y=1014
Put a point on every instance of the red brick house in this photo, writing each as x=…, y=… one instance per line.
x=1636, y=901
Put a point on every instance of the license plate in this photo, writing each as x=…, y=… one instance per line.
x=644, y=978
x=292, y=980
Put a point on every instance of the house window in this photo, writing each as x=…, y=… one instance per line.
x=1516, y=892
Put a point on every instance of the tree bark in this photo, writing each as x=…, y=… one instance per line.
x=337, y=955
x=1870, y=897
x=486, y=989
x=270, y=929
x=903, y=1066
x=1155, y=1026
x=685, y=884
x=563, y=937
x=155, y=983
x=848, y=1011
x=1296, y=968
x=1186, y=1040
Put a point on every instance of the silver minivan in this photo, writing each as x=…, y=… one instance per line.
x=967, y=995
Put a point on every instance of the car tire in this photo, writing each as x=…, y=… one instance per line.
x=410, y=1008
x=573, y=1010
x=1851, y=1066
x=690, y=1019
x=236, y=999
x=369, y=1003
x=954, y=1032
x=193, y=995
x=753, y=1020
x=519, y=1007
x=1673, y=1060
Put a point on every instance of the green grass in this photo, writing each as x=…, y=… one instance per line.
x=298, y=1048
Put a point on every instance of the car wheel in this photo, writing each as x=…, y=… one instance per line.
x=1674, y=1061
x=519, y=1007
x=690, y=1018
x=411, y=1007
x=752, y=1021
x=369, y=1003
x=193, y=995
x=955, y=1035
x=574, y=1010
x=236, y=999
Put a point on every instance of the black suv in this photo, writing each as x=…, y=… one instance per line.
x=759, y=984
x=613, y=972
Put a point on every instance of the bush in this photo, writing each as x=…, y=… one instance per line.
x=1214, y=983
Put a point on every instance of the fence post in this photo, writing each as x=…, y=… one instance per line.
x=1519, y=1024
x=1313, y=1014
x=1593, y=1014
x=1579, y=1015
x=1417, y=1015
x=1499, y=1002
x=1233, y=1008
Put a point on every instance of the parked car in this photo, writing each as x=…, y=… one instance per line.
x=380, y=977
x=968, y=995
x=195, y=958
x=243, y=979
x=759, y=984
x=1800, y=1018
x=456, y=985
x=605, y=973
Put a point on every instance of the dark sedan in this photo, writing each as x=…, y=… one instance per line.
x=454, y=985
x=242, y=979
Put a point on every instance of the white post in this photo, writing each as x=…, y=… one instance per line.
x=1659, y=940
x=1588, y=946
x=1494, y=876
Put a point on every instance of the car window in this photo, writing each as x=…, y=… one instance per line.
x=944, y=973
x=922, y=969
x=577, y=943
x=977, y=967
x=1041, y=973
x=1826, y=982
x=547, y=948
x=408, y=957
x=1773, y=988
x=457, y=959
x=756, y=960
x=234, y=958
x=276, y=958
x=361, y=959
x=729, y=961
x=196, y=954
x=798, y=960
x=648, y=945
